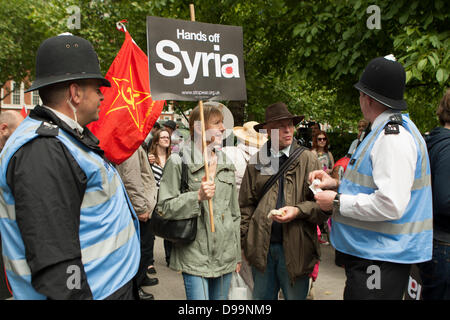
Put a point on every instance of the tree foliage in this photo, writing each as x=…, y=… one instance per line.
x=305, y=53
x=17, y=46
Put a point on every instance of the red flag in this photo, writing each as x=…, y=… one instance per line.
x=127, y=112
x=24, y=112
x=343, y=162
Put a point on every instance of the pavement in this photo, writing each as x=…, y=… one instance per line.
x=329, y=284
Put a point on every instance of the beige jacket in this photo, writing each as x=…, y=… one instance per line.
x=137, y=176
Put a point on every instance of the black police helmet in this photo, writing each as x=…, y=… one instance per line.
x=384, y=80
x=63, y=58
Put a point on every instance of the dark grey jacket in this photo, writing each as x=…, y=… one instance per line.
x=438, y=143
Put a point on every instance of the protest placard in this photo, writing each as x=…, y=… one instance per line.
x=192, y=61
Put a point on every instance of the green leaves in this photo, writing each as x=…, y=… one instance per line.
x=442, y=76
x=432, y=61
x=422, y=43
x=348, y=33
x=306, y=53
x=421, y=65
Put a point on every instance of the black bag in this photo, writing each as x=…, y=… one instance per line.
x=176, y=231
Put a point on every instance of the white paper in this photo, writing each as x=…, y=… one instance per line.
x=314, y=187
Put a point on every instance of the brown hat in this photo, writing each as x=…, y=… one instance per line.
x=278, y=111
x=248, y=135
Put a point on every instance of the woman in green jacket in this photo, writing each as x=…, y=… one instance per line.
x=208, y=262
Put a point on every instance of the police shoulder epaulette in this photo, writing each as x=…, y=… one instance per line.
x=47, y=129
x=392, y=127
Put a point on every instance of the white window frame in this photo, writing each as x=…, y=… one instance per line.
x=14, y=94
x=34, y=94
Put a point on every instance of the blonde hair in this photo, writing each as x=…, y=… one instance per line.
x=209, y=111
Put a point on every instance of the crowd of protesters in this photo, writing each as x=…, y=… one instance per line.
x=66, y=210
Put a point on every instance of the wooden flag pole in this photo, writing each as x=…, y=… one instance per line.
x=205, y=147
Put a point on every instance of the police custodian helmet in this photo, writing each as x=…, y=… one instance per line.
x=63, y=58
x=384, y=80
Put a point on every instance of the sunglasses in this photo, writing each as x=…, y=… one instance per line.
x=321, y=139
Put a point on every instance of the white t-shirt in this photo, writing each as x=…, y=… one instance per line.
x=394, y=158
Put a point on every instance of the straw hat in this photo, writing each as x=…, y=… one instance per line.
x=248, y=135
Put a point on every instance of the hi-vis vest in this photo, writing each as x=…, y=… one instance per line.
x=406, y=240
x=109, y=229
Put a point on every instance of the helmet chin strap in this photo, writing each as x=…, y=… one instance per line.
x=74, y=110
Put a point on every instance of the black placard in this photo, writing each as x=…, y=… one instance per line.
x=195, y=61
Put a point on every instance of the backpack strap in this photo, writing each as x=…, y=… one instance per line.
x=184, y=175
x=269, y=183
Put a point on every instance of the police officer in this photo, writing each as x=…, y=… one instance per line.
x=382, y=210
x=68, y=229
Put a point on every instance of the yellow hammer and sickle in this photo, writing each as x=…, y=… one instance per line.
x=129, y=101
x=129, y=97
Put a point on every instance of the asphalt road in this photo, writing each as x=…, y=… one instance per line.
x=328, y=286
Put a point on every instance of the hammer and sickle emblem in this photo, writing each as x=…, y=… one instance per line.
x=128, y=98
x=129, y=102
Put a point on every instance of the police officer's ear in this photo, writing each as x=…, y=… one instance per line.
x=76, y=92
x=362, y=95
x=368, y=99
x=3, y=129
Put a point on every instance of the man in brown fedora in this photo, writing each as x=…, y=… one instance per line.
x=282, y=249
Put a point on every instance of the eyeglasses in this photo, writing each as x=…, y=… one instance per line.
x=321, y=139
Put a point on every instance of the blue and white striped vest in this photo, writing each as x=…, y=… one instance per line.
x=109, y=229
x=406, y=240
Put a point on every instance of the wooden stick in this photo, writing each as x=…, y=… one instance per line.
x=192, y=11
x=205, y=147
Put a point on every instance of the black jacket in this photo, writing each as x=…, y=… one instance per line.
x=438, y=143
x=48, y=187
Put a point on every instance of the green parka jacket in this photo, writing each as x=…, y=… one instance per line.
x=210, y=254
x=300, y=242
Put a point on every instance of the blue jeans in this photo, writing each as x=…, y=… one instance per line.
x=275, y=276
x=435, y=274
x=200, y=288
